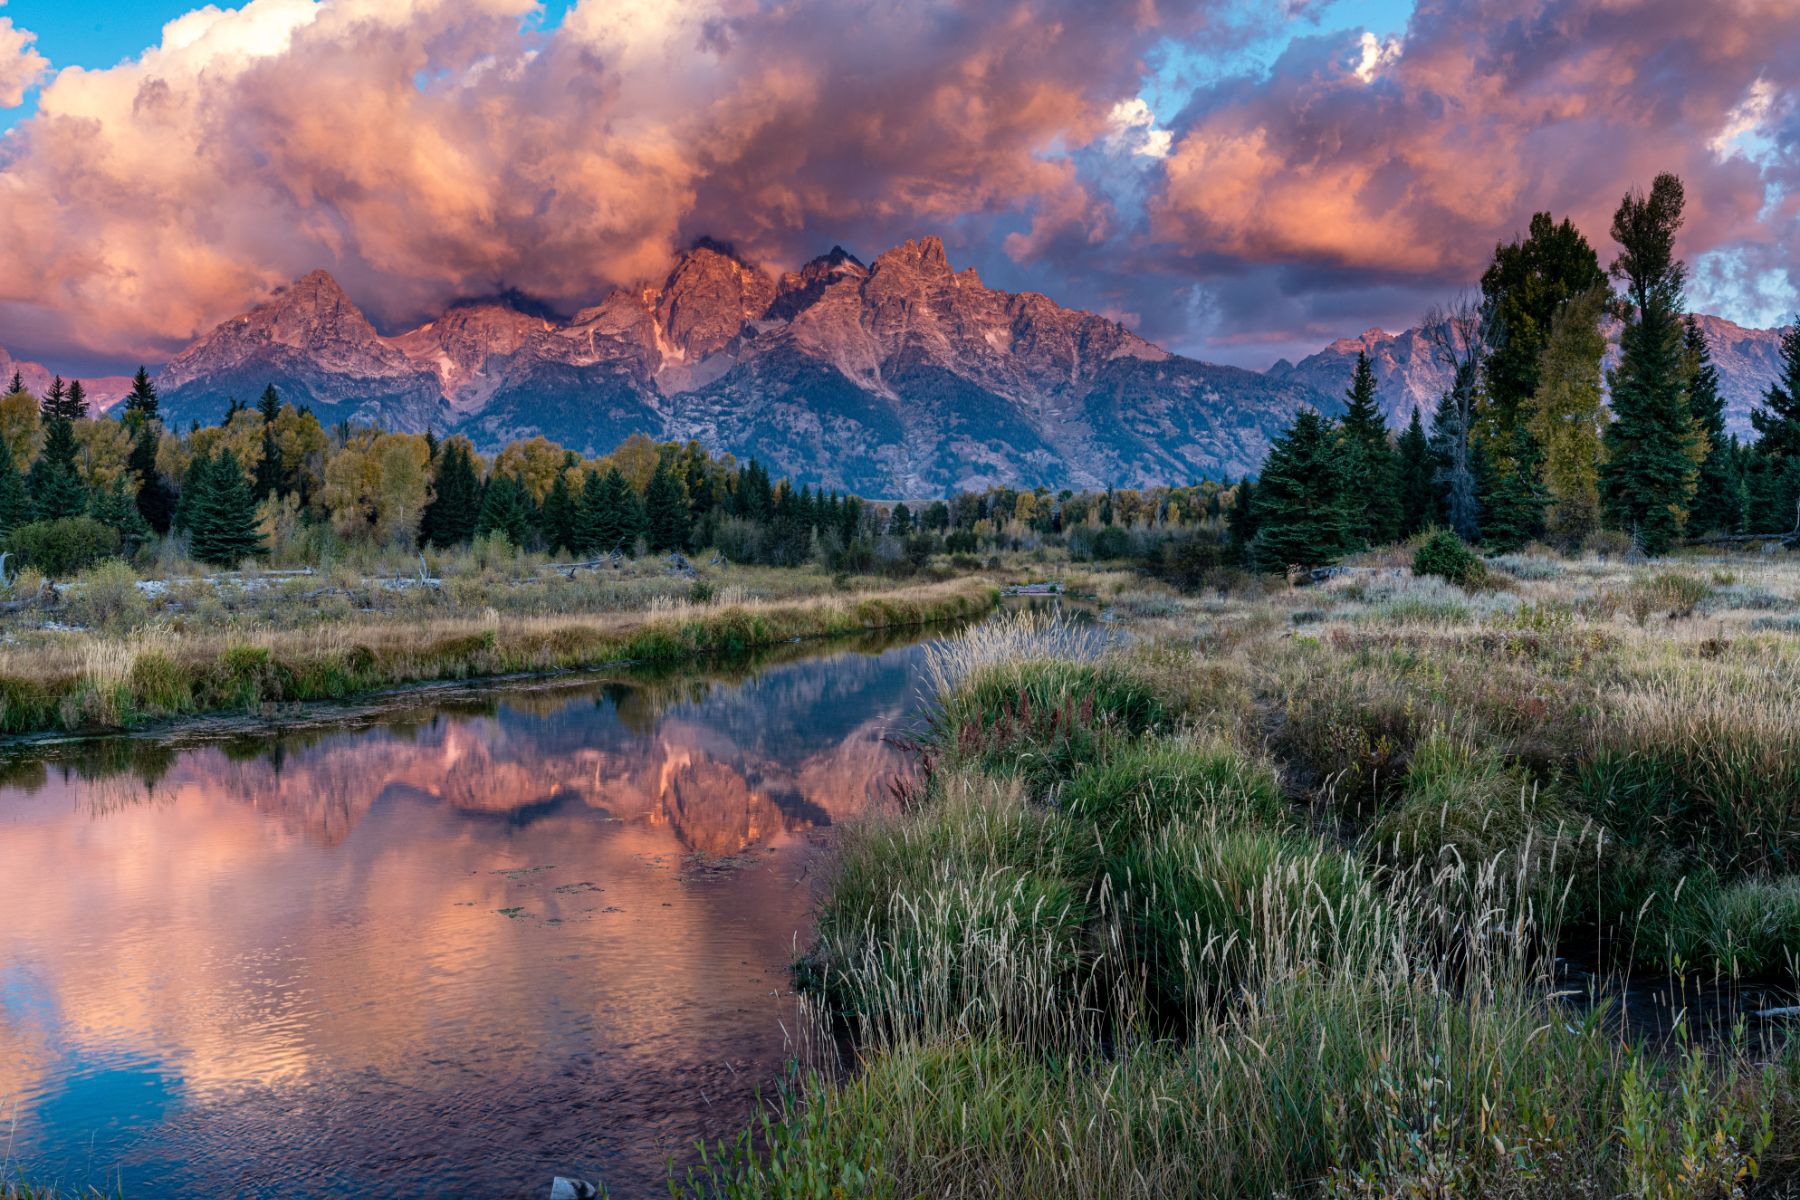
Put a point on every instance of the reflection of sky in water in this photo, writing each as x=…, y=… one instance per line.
x=450, y=954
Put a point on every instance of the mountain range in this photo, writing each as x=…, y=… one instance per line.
x=902, y=376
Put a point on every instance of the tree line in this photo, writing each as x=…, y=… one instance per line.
x=1533, y=438
x=76, y=487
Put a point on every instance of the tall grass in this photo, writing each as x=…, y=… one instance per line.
x=1110, y=949
x=102, y=683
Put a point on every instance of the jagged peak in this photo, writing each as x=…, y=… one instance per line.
x=922, y=254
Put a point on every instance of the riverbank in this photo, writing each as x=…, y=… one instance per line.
x=97, y=682
x=1268, y=900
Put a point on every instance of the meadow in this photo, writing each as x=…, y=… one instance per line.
x=110, y=650
x=1386, y=887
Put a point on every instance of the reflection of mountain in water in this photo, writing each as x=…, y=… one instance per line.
x=724, y=765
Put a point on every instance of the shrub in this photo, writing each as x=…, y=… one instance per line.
x=108, y=595
x=1445, y=555
x=65, y=546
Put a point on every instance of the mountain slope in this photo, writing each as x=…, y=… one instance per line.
x=903, y=376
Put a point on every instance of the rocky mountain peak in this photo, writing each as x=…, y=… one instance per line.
x=708, y=298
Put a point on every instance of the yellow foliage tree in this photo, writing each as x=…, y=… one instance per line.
x=377, y=486
x=21, y=427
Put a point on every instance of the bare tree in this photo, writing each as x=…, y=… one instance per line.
x=1459, y=334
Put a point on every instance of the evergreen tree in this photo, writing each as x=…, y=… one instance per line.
x=560, y=505
x=1648, y=476
x=1777, y=423
x=1568, y=414
x=1456, y=464
x=665, y=512
x=75, y=405
x=1417, y=486
x=1524, y=287
x=611, y=516
x=18, y=384
x=221, y=521
x=194, y=485
x=449, y=519
x=1718, y=505
x=55, y=483
x=900, y=524
x=1375, y=499
x=15, y=504
x=140, y=402
x=51, y=407
x=1242, y=520
x=1302, y=504
x=116, y=507
x=155, y=500
x=506, y=509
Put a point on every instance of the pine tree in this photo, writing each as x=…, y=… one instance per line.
x=192, y=499
x=627, y=515
x=141, y=402
x=900, y=524
x=506, y=509
x=560, y=505
x=1241, y=522
x=115, y=506
x=75, y=405
x=449, y=520
x=51, y=406
x=1302, y=506
x=15, y=504
x=665, y=512
x=1648, y=476
x=221, y=522
x=1375, y=501
x=1568, y=414
x=1456, y=465
x=155, y=500
x=1777, y=423
x=55, y=483
x=1718, y=505
x=1524, y=287
x=1417, y=486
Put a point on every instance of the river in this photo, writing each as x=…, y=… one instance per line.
x=458, y=948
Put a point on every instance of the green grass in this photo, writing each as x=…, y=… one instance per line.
x=1108, y=947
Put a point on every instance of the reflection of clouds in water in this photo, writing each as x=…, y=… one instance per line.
x=309, y=948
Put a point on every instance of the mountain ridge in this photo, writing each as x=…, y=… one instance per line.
x=900, y=376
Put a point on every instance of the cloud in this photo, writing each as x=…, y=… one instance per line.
x=1412, y=165
x=1374, y=54
x=1117, y=157
x=20, y=65
x=425, y=149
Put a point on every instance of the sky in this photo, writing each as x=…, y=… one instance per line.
x=1240, y=180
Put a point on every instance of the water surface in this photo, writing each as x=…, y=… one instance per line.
x=449, y=953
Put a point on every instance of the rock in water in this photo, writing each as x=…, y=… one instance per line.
x=562, y=1188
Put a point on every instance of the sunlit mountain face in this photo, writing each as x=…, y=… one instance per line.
x=448, y=953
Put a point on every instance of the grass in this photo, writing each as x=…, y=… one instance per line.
x=97, y=682
x=1240, y=906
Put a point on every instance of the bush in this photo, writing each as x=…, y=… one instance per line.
x=108, y=595
x=1445, y=555
x=64, y=546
